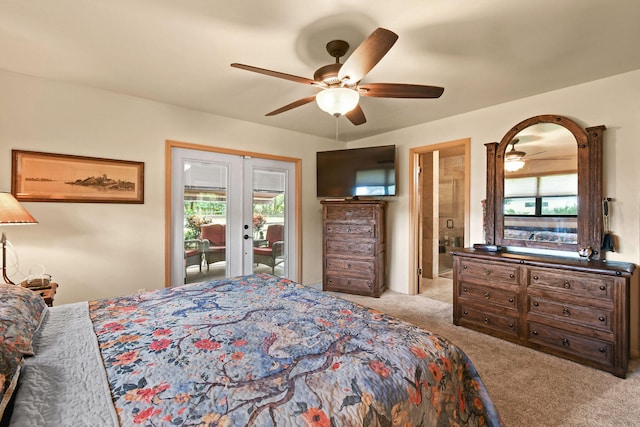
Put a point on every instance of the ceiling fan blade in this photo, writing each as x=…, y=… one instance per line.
x=293, y=105
x=400, y=90
x=356, y=116
x=536, y=153
x=551, y=160
x=278, y=74
x=367, y=55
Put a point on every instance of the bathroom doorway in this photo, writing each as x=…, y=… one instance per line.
x=441, y=179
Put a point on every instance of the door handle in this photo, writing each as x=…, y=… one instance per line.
x=246, y=236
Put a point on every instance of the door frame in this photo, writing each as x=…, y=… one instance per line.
x=415, y=217
x=170, y=144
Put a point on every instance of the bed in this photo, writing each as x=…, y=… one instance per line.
x=255, y=350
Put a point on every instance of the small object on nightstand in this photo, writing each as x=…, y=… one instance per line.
x=37, y=282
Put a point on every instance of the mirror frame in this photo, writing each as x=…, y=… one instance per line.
x=590, y=187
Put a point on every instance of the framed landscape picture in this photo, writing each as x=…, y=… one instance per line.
x=48, y=177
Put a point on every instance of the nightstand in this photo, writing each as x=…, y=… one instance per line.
x=48, y=293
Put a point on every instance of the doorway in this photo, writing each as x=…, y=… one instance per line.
x=230, y=213
x=440, y=213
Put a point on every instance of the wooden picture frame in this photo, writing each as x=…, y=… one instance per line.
x=48, y=177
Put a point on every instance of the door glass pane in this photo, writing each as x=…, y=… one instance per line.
x=205, y=220
x=268, y=201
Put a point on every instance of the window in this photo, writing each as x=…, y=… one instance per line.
x=549, y=195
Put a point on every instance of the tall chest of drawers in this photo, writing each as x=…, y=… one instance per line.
x=353, y=247
x=571, y=308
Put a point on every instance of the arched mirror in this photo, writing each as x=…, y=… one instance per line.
x=546, y=177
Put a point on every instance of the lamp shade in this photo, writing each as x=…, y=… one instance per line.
x=12, y=212
x=512, y=165
x=337, y=100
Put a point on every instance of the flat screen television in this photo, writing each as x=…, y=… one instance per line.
x=357, y=172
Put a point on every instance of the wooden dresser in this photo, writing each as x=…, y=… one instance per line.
x=353, y=247
x=571, y=308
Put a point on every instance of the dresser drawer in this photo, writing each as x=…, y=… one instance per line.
x=573, y=344
x=588, y=285
x=361, y=247
x=349, y=285
x=504, y=297
x=488, y=271
x=503, y=324
x=590, y=317
x=347, y=230
x=347, y=213
x=362, y=268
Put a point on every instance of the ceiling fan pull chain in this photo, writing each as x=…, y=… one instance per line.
x=337, y=128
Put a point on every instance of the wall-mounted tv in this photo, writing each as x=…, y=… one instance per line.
x=357, y=172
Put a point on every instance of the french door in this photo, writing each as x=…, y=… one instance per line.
x=231, y=215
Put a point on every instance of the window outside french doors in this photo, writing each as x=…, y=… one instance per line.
x=231, y=215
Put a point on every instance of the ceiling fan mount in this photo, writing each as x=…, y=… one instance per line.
x=341, y=82
x=328, y=74
x=337, y=49
x=514, y=154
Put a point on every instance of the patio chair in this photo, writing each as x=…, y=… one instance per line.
x=273, y=253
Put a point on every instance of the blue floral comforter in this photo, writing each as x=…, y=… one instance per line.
x=264, y=351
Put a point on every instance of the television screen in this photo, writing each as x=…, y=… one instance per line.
x=358, y=172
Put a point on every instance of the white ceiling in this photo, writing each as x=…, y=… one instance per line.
x=483, y=52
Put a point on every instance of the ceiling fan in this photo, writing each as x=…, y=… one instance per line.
x=514, y=159
x=340, y=84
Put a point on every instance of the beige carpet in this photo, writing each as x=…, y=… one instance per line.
x=529, y=388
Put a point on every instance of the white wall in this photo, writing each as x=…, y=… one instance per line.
x=96, y=250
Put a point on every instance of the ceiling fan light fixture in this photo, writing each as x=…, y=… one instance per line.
x=512, y=165
x=337, y=100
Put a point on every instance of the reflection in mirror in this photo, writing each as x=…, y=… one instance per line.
x=541, y=185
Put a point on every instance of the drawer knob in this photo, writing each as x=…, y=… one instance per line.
x=464, y=289
x=536, y=303
x=566, y=312
x=601, y=318
x=566, y=284
x=348, y=230
x=464, y=267
x=510, y=325
x=487, y=271
x=486, y=320
x=535, y=277
x=603, y=288
x=510, y=299
x=369, y=285
x=565, y=342
x=348, y=265
x=602, y=350
x=535, y=332
x=465, y=312
x=512, y=276
x=486, y=295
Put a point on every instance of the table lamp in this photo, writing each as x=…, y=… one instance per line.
x=11, y=213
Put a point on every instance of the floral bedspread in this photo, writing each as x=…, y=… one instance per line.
x=264, y=351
